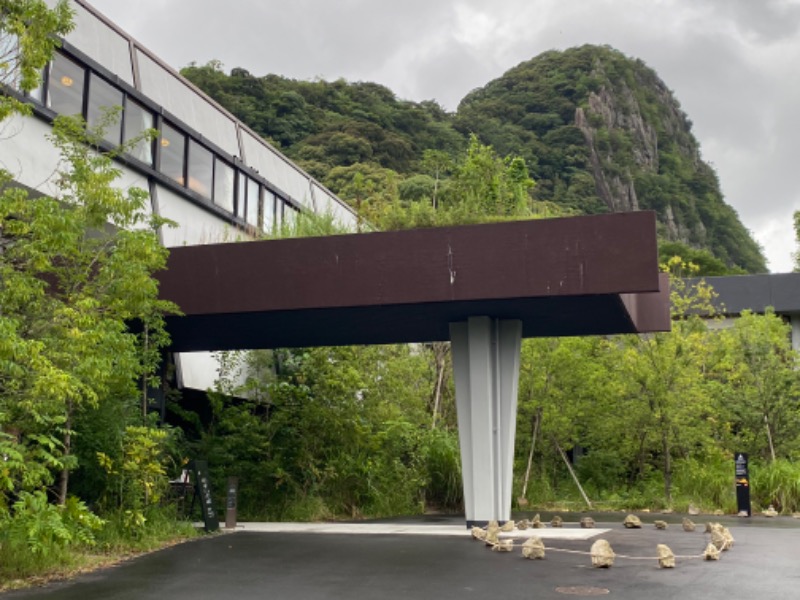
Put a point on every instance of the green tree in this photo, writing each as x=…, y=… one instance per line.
x=761, y=386
x=28, y=37
x=564, y=395
x=367, y=188
x=329, y=432
x=81, y=324
x=321, y=432
x=707, y=264
x=665, y=372
x=437, y=164
x=28, y=32
x=73, y=285
x=484, y=186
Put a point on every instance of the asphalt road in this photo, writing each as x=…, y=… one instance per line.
x=763, y=565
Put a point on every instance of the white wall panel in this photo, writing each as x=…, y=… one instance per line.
x=291, y=180
x=196, y=226
x=199, y=371
x=196, y=370
x=328, y=204
x=167, y=89
x=27, y=154
x=31, y=158
x=100, y=42
x=276, y=169
x=129, y=179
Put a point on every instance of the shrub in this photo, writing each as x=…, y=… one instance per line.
x=441, y=461
x=37, y=536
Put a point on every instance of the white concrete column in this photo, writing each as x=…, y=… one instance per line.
x=795, y=320
x=486, y=370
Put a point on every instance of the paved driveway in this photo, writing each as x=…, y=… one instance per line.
x=763, y=565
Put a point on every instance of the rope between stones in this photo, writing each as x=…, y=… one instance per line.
x=585, y=553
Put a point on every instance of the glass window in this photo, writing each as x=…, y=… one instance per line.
x=65, y=86
x=104, y=109
x=241, y=195
x=253, y=211
x=9, y=60
x=224, y=178
x=137, y=120
x=201, y=169
x=268, y=203
x=172, y=144
x=278, y=213
x=289, y=215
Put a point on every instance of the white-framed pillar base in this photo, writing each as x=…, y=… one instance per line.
x=486, y=354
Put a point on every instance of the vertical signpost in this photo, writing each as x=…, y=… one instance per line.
x=742, y=485
x=230, y=510
x=202, y=490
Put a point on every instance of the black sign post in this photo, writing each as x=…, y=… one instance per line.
x=230, y=509
x=202, y=490
x=742, y=485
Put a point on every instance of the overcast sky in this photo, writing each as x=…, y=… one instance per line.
x=734, y=65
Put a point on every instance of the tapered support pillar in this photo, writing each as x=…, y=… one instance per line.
x=486, y=370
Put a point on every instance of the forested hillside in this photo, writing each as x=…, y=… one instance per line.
x=598, y=131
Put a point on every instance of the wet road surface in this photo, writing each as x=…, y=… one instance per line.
x=763, y=565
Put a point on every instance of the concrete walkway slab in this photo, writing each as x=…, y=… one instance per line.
x=565, y=533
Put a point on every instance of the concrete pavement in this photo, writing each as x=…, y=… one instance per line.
x=388, y=563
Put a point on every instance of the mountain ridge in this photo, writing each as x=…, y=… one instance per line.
x=599, y=131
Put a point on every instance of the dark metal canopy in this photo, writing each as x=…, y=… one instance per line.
x=737, y=293
x=569, y=276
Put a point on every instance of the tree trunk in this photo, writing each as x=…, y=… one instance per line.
x=439, y=350
x=63, y=482
x=667, y=466
x=640, y=457
x=536, y=419
x=769, y=438
x=435, y=188
x=146, y=343
x=572, y=472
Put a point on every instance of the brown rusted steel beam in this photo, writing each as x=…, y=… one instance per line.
x=570, y=276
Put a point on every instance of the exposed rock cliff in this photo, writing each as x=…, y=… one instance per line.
x=602, y=132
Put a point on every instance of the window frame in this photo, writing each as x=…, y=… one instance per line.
x=234, y=206
x=161, y=151
x=92, y=77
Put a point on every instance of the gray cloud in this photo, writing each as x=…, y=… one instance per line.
x=731, y=63
x=765, y=22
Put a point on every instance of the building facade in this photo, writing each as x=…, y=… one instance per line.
x=205, y=170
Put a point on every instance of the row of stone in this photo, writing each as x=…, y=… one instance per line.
x=634, y=522
x=601, y=553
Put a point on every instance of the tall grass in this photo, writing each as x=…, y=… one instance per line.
x=441, y=461
x=708, y=484
x=776, y=483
